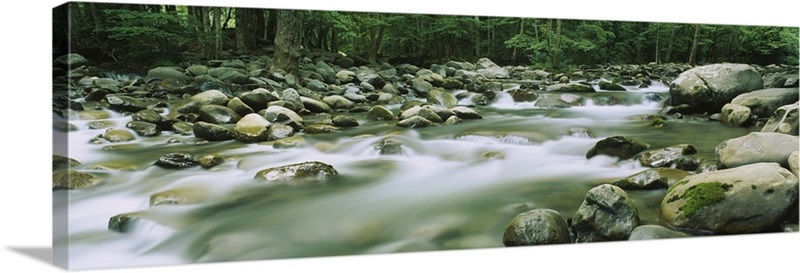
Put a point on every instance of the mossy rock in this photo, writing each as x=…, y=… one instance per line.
x=63, y=163
x=73, y=179
x=537, y=227
x=179, y=196
x=380, y=113
x=746, y=199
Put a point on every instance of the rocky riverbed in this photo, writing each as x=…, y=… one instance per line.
x=231, y=160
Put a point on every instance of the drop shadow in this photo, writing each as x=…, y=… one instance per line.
x=42, y=254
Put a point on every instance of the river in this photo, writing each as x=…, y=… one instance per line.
x=450, y=187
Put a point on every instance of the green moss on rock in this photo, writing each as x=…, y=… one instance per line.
x=702, y=195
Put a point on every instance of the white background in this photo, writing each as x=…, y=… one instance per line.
x=25, y=222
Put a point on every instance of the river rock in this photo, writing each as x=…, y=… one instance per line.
x=707, y=166
x=210, y=161
x=764, y=102
x=284, y=115
x=320, y=129
x=182, y=128
x=735, y=115
x=147, y=115
x=441, y=97
x=63, y=163
x=71, y=60
x=215, y=97
x=380, y=113
x=344, y=121
x=239, y=107
x=143, y=128
x=745, y=199
x=72, y=179
x=688, y=163
x=570, y=87
x=416, y=122
x=607, y=214
x=489, y=69
x=251, y=128
x=317, y=86
x=656, y=178
x=165, y=73
x=558, y=100
x=315, y=106
x=217, y=114
x=441, y=111
x=93, y=114
x=784, y=120
x=338, y=102
x=421, y=86
x=125, y=103
x=463, y=112
x=118, y=135
x=523, y=95
x=429, y=114
x=757, y=147
x=609, y=86
x=197, y=70
x=310, y=172
x=370, y=77
x=460, y=65
x=280, y=131
x=177, y=161
x=650, y=232
x=537, y=227
x=708, y=88
x=291, y=95
x=410, y=112
x=179, y=196
x=794, y=162
x=258, y=98
x=664, y=157
x=345, y=76
x=618, y=146
x=212, y=132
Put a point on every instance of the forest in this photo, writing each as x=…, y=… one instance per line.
x=137, y=36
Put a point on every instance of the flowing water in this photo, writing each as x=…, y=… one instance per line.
x=451, y=187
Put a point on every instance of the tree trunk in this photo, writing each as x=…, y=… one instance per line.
x=672, y=34
x=246, y=29
x=658, y=34
x=228, y=17
x=272, y=25
x=520, y=31
x=376, y=39
x=557, y=46
x=693, y=53
x=287, y=41
x=217, y=23
x=334, y=39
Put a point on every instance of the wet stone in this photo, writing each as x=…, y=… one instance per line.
x=143, y=128
x=73, y=179
x=118, y=135
x=210, y=161
x=177, y=161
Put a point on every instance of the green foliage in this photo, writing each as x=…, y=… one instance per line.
x=142, y=35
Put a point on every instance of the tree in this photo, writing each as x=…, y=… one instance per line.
x=695, y=41
x=287, y=41
x=247, y=28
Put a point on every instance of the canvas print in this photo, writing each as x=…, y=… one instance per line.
x=193, y=134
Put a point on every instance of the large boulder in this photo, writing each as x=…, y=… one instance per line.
x=607, y=214
x=618, y=146
x=537, y=227
x=750, y=198
x=708, y=88
x=757, y=147
x=764, y=102
x=794, y=162
x=489, y=69
x=784, y=120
